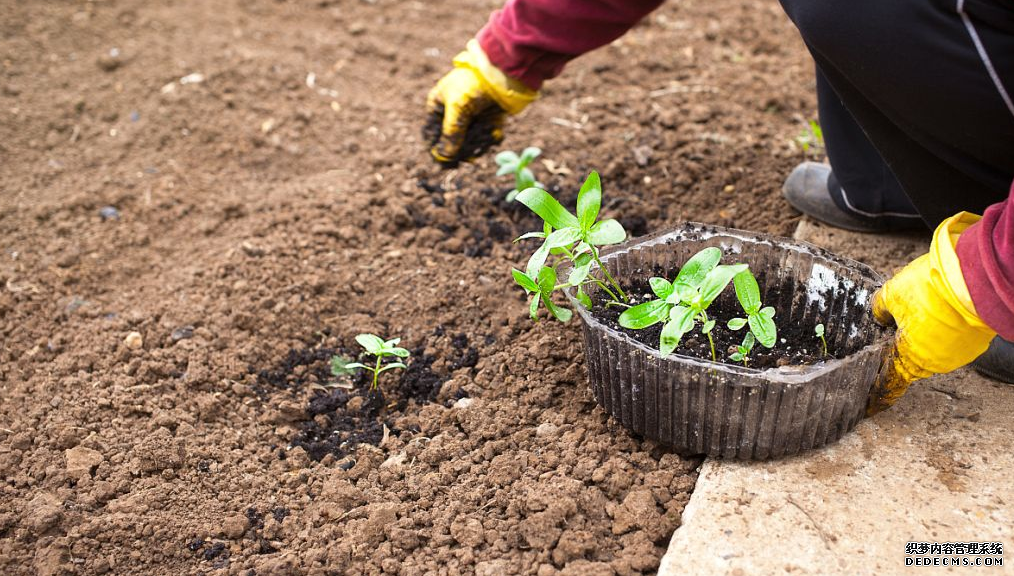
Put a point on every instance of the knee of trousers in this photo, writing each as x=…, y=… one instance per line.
x=822, y=24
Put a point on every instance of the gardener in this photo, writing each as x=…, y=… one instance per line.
x=918, y=123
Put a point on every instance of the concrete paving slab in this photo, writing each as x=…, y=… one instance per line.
x=938, y=467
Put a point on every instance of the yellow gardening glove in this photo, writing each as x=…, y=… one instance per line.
x=470, y=105
x=938, y=329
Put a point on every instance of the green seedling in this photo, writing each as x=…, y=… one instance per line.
x=684, y=302
x=811, y=137
x=759, y=319
x=819, y=330
x=379, y=348
x=573, y=239
x=742, y=353
x=512, y=163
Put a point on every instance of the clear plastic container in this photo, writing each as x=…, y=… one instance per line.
x=703, y=407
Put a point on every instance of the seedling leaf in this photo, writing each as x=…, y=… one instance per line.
x=708, y=327
x=748, y=341
x=764, y=329
x=371, y=342
x=561, y=314
x=579, y=274
x=583, y=298
x=547, y=281
x=660, y=287
x=525, y=179
x=543, y=204
x=562, y=238
x=391, y=366
x=747, y=291
x=606, y=232
x=669, y=339
x=698, y=266
x=538, y=260
x=737, y=323
x=717, y=280
x=529, y=154
x=683, y=316
x=525, y=281
x=355, y=366
x=399, y=352
x=589, y=201
x=644, y=315
x=506, y=157
x=682, y=293
x=529, y=235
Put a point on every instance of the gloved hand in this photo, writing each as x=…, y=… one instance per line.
x=469, y=105
x=938, y=329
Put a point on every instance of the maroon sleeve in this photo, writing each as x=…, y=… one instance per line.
x=531, y=40
x=986, y=253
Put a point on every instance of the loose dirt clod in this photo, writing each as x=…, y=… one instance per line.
x=134, y=340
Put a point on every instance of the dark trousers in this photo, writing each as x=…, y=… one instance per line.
x=915, y=103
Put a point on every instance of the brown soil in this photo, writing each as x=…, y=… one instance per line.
x=249, y=221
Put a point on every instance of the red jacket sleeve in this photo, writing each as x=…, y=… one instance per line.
x=531, y=40
x=986, y=253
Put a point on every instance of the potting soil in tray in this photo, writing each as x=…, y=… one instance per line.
x=797, y=344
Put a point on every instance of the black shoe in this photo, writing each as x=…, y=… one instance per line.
x=807, y=190
x=997, y=362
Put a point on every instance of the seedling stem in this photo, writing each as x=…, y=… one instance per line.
x=819, y=330
x=609, y=277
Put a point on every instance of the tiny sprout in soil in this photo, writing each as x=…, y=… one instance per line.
x=819, y=330
x=511, y=163
x=742, y=353
x=567, y=238
x=684, y=301
x=380, y=349
x=811, y=137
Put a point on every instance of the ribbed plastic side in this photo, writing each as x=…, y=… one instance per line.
x=700, y=407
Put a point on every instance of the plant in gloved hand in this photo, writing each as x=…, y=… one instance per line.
x=511, y=163
x=760, y=320
x=684, y=302
x=819, y=330
x=380, y=349
x=569, y=238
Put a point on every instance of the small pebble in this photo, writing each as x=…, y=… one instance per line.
x=252, y=250
x=182, y=333
x=134, y=340
x=109, y=213
x=546, y=429
x=109, y=62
